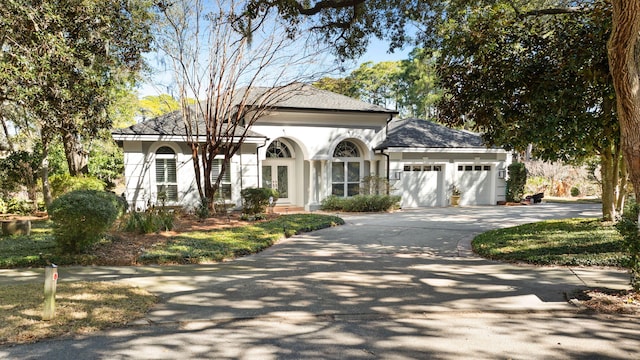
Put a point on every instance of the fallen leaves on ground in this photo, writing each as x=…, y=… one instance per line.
x=608, y=301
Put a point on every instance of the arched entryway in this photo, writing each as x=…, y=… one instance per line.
x=278, y=170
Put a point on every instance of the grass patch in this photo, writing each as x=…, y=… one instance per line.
x=566, y=200
x=217, y=245
x=39, y=249
x=81, y=308
x=583, y=242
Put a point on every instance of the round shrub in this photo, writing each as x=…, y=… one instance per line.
x=62, y=184
x=256, y=200
x=3, y=207
x=575, y=191
x=81, y=217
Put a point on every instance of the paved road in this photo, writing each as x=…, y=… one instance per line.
x=389, y=286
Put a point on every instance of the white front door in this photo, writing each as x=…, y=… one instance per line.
x=277, y=174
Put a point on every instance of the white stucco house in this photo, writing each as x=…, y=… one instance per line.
x=312, y=145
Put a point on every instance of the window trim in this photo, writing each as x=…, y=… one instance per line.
x=226, y=180
x=162, y=154
x=345, y=161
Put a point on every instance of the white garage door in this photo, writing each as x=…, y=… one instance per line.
x=474, y=182
x=422, y=185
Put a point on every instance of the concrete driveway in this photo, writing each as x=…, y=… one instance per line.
x=402, y=285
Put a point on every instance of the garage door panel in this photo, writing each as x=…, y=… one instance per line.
x=475, y=186
x=421, y=188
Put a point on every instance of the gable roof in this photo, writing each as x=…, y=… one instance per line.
x=418, y=133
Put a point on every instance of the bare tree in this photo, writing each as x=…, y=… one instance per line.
x=237, y=70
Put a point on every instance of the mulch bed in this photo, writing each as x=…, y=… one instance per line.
x=125, y=248
x=608, y=301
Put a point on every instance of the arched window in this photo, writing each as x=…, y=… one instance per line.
x=166, y=179
x=278, y=149
x=345, y=170
x=346, y=149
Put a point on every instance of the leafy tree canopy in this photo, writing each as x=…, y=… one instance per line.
x=152, y=106
x=65, y=61
x=409, y=85
x=531, y=79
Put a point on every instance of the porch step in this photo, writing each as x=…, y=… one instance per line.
x=288, y=209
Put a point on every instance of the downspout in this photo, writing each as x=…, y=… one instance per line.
x=258, y=161
x=388, y=170
x=386, y=130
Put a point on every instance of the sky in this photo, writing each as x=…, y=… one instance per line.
x=158, y=82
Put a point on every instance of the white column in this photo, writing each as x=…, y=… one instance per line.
x=313, y=180
x=494, y=175
x=323, y=179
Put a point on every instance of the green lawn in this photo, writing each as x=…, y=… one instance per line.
x=39, y=248
x=585, y=242
x=217, y=245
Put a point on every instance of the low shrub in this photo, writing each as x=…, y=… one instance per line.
x=150, y=221
x=19, y=206
x=3, y=207
x=575, y=191
x=628, y=228
x=361, y=203
x=256, y=200
x=81, y=217
x=333, y=203
x=202, y=211
x=64, y=183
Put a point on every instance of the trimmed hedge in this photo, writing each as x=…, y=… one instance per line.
x=361, y=203
x=516, y=182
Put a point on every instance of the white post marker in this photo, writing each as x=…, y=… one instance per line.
x=50, y=281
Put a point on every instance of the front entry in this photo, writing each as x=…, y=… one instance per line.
x=277, y=174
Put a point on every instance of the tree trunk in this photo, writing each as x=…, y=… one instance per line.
x=6, y=131
x=46, y=187
x=624, y=62
x=622, y=187
x=609, y=169
x=77, y=157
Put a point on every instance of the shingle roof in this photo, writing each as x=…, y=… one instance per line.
x=170, y=124
x=418, y=133
x=308, y=97
x=295, y=97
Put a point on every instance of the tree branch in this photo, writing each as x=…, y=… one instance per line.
x=553, y=11
x=326, y=4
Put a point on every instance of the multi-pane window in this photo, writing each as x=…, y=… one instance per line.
x=224, y=191
x=474, y=167
x=345, y=178
x=278, y=149
x=422, y=168
x=166, y=179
